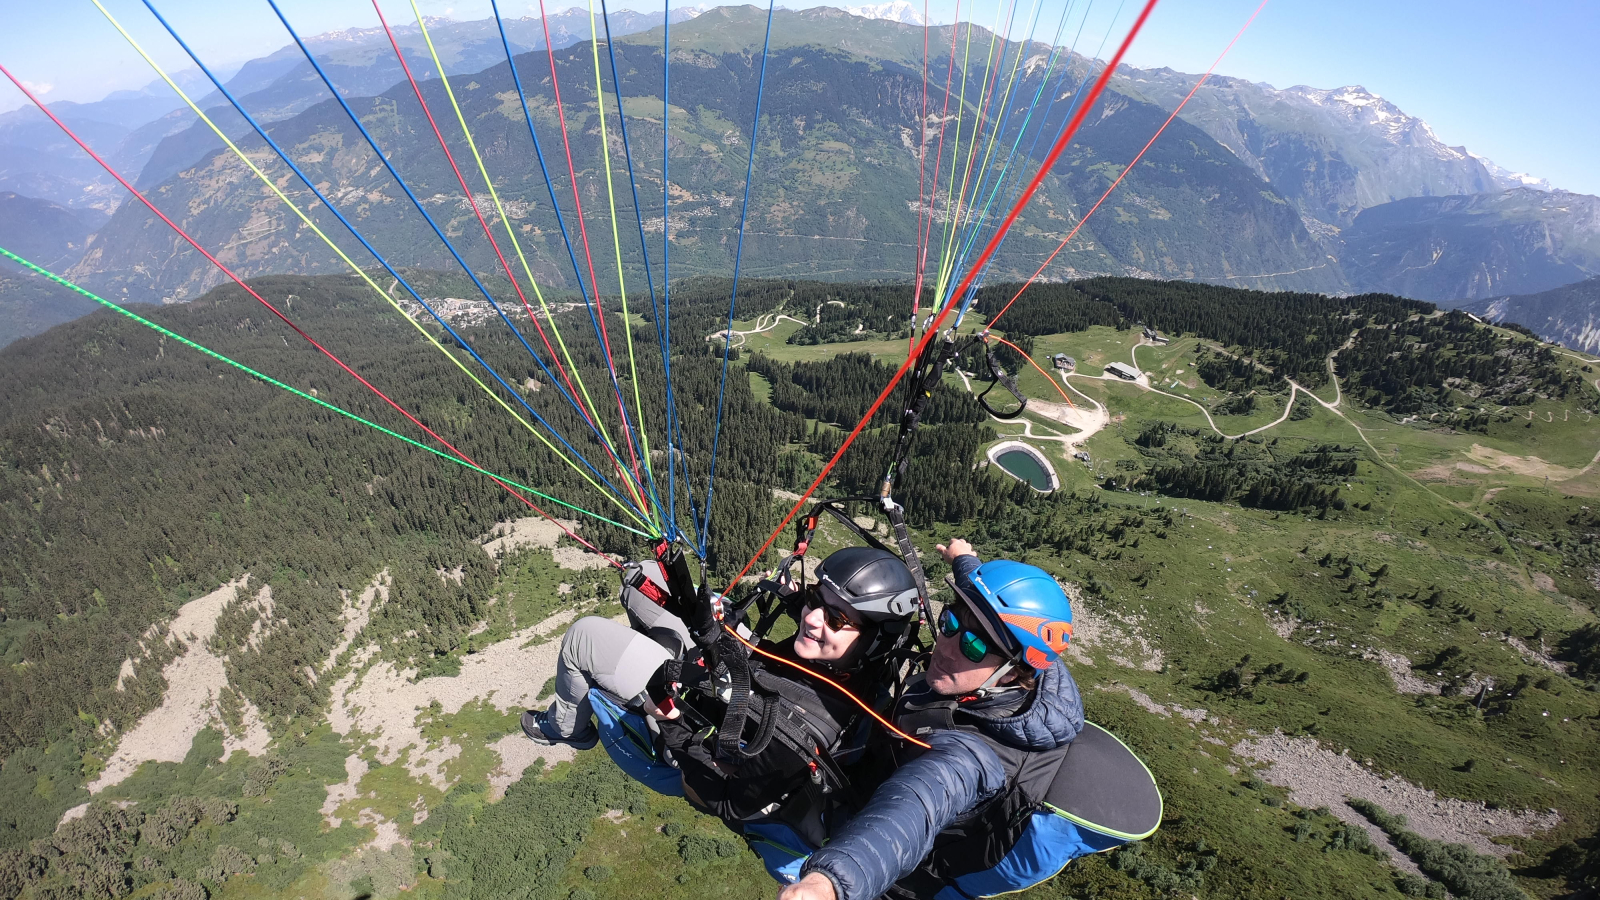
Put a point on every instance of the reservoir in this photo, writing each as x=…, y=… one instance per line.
x=1027, y=467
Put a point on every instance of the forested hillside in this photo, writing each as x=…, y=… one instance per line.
x=1328, y=547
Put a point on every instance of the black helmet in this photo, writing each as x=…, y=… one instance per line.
x=873, y=582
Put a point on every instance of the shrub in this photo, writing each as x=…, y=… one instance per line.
x=170, y=823
x=696, y=848
x=1468, y=875
x=183, y=889
x=259, y=779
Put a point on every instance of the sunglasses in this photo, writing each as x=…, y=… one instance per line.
x=974, y=646
x=832, y=616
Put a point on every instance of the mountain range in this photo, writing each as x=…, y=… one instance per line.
x=1331, y=190
x=1568, y=315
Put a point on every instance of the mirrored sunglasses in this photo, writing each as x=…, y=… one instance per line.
x=973, y=645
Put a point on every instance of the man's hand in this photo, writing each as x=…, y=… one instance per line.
x=655, y=712
x=812, y=887
x=956, y=547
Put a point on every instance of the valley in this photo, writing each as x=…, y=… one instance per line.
x=1386, y=600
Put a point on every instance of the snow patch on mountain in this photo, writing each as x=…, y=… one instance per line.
x=1508, y=179
x=894, y=11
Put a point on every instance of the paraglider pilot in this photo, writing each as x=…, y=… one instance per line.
x=998, y=710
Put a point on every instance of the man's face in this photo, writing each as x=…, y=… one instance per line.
x=826, y=633
x=950, y=672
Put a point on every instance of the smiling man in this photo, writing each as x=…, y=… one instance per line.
x=998, y=711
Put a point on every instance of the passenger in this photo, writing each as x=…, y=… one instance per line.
x=780, y=787
x=999, y=711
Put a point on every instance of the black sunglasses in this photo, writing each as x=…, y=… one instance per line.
x=973, y=645
x=832, y=616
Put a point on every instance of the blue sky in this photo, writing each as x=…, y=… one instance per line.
x=1514, y=82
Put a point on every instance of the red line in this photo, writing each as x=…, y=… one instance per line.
x=938, y=153
x=286, y=320
x=1129, y=168
x=983, y=110
x=583, y=232
x=492, y=242
x=922, y=164
x=1056, y=150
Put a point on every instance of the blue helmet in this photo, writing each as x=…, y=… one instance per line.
x=1025, y=608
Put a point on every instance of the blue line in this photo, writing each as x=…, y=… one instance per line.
x=1006, y=178
x=346, y=222
x=633, y=185
x=1076, y=97
x=738, y=257
x=451, y=247
x=539, y=152
x=666, y=257
x=611, y=372
x=1001, y=121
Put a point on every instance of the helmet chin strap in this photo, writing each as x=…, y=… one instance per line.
x=991, y=685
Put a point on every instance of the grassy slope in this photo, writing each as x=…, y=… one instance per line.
x=1202, y=596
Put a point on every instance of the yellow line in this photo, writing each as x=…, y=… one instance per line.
x=616, y=240
x=511, y=234
x=348, y=261
x=948, y=265
x=955, y=153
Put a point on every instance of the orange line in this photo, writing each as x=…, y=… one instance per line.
x=834, y=684
x=1039, y=370
x=1074, y=231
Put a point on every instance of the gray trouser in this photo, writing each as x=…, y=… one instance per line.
x=603, y=653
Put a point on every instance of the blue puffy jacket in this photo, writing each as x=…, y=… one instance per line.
x=960, y=772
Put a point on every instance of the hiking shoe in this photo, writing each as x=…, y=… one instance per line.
x=536, y=725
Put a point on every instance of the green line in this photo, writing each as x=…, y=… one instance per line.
x=616, y=239
x=955, y=153
x=362, y=273
x=299, y=393
x=636, y=491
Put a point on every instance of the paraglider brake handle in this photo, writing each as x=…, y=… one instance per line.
x=999, y=376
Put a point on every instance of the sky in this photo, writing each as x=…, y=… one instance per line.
x=1513, y=82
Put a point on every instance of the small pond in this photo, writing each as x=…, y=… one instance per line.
x=1026, y=467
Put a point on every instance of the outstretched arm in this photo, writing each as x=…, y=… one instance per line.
x=895, y=831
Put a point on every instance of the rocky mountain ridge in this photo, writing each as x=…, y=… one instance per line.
x=1338, y=158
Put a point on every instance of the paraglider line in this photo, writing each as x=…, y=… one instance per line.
x=356, y=120
x=1036, y=369
x=503, y=481
x=1008, y=175
x=1056, y=150
x=616, y=235
x=583, y=234
x=594, y=422
x=938, y=162
x=320, y=196
x=644, y=247
x=229, y=272
x=1001, y=125
x=738, y=257
x=666, y=270
x=922, y=166
x=1129, y=167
